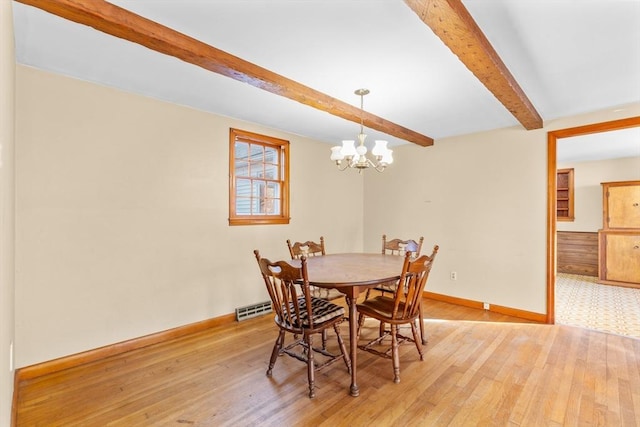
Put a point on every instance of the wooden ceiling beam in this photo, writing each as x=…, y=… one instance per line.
x=452, y=22
x=119, y=22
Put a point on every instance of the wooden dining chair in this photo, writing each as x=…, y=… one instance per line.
x=400, y=248
x=301, y=314
x=404, y=307
x=307, y=249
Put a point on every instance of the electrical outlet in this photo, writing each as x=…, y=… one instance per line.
x=454, y=275
x=486, y=305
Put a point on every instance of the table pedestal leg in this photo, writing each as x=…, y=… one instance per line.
x=353, y=344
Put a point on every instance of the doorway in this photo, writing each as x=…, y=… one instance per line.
x=552, y=141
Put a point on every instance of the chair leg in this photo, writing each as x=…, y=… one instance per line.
x=416, y=339
x=423, y=337
x=343, y=349
x=360, y=324
x=324, y=339
x=277, y=346
x=382, y=292
x=394, y=353
x=310, y=367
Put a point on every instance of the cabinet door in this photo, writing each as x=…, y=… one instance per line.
x=624, y=206
x=623, y=257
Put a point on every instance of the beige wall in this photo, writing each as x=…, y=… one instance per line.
x=122, y=206
x=482, y=198
x=588, y=192
x=7, y=193
x=122, y=214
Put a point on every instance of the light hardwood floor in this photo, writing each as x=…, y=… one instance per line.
x=479, y=369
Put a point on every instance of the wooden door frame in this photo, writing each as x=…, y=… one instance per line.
x=552, y=141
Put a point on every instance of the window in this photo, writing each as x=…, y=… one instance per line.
x=258, y=179
x=564, y=200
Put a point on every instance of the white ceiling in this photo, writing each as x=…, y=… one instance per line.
x=597, y=146
x=569, y=57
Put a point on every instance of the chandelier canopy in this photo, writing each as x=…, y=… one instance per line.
x=348, y=155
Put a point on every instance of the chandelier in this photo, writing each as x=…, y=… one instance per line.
x=348, y=155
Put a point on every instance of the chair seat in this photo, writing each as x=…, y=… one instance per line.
x=387, y=286
x=325, y=293
x=321, y=309
x=380, y=307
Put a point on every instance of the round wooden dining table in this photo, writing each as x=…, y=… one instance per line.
x=351, y=273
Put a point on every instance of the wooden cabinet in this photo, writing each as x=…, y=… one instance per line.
x=619, y=238
x=564, y=195
x=622, y=260
x=621, y=207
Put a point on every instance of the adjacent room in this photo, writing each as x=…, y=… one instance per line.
x=153, y=155
x=591, y=290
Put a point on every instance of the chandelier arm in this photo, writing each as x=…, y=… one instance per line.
x=376, y=165
x=346, y=166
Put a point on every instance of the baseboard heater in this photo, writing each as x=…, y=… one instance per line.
x=244, y=313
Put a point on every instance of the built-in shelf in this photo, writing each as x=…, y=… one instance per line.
x=564, y=195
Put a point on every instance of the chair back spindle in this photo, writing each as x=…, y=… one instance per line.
x=411, y=286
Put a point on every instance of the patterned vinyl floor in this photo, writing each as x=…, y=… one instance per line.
x=580, y=301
